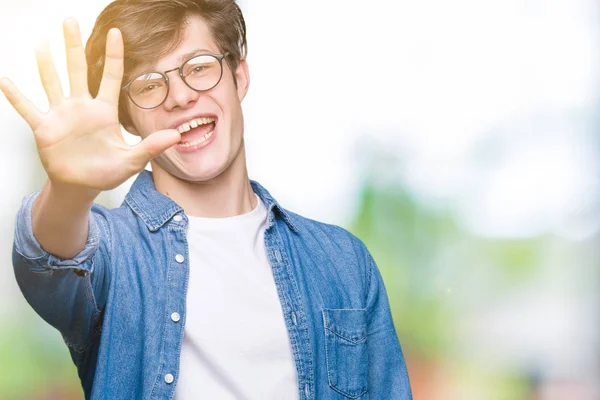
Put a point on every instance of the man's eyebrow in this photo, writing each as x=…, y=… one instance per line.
x=180, y=60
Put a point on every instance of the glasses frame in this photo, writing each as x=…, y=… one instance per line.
x=219, y=58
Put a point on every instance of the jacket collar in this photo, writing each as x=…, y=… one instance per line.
x=155, y=209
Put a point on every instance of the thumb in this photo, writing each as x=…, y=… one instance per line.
x=153, y=145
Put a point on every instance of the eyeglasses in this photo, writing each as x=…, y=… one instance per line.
x=201, y=73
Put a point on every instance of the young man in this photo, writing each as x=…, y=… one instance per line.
x=200, y=286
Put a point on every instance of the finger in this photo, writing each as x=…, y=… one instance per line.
x=24, y=107
x=152, y=146
x=110, y=86
x=76, y=63
x=48, y=74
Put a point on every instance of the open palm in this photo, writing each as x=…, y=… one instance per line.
x=79, y=139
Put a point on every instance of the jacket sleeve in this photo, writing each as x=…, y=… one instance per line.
x=388, y=376
x=68, y=294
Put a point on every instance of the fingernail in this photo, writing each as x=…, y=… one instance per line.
x=71, y=23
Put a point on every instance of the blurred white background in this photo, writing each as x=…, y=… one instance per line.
x=486, y=108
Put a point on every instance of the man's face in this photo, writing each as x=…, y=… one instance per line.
x=206, y=150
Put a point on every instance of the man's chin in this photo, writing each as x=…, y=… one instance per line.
x=176, y=168
x=191, y=176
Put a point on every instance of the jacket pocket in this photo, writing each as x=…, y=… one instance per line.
x=346, y=350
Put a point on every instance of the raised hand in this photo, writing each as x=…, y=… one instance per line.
x=79, y=140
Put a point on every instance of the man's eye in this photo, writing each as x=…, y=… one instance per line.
x=149, y=88
x=198, y=69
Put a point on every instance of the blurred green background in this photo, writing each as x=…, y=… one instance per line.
x=458, y=140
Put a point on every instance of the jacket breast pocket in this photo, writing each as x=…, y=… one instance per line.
x=346, y=350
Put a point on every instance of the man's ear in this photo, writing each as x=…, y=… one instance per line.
x=242, y=78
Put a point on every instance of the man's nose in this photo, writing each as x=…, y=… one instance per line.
x=180, y=94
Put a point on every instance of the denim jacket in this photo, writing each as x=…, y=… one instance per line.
x=113, y=302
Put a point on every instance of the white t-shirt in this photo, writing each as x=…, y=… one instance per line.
x=236, y=345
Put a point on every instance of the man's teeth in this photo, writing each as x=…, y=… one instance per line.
x=194, y=124
x=196, y=142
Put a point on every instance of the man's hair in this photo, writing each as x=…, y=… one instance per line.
x=153, y=28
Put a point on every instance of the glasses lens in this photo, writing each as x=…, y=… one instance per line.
x=202, y=72
x=148, y=90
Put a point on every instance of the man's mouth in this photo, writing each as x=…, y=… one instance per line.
x=196, y=131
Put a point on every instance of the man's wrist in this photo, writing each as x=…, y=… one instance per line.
x=71, y=195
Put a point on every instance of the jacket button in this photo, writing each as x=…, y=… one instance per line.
x=177, y=218
x=307, y=391
x=169, y=378
x=175, y=317
x=294, y=317
x=179, y=258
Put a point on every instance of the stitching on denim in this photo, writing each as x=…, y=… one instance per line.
x=348, y=394
x=341, y=331
x=328, y=338
x=182, y=329
x=152, y=223
x=287, y=217
x=97, y=313
x=45, y=255
x=326, y=349
x=97, y=318
x=89, y=291
x=110, y=250
x=346, y=338
x=165, y=318
x=137, y=209
x=41, y=271
x=272, y=241
x=309, y=374
x=330, y=367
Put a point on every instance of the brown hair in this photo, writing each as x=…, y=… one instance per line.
x=153, y=28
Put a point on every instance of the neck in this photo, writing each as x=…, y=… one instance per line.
x=226, y=195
